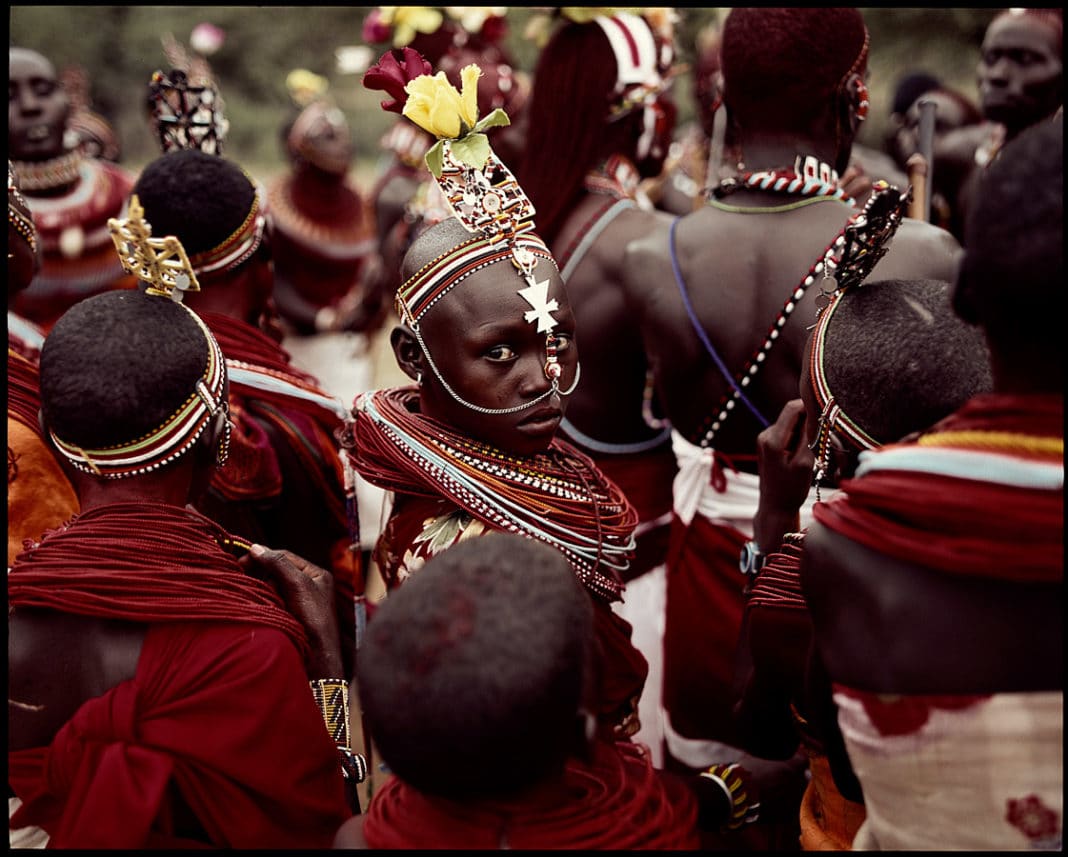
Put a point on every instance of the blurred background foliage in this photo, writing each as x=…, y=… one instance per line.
x=119, y=46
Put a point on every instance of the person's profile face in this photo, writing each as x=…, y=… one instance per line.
x=493, y=357
x=37, y=107
x=1020, y=71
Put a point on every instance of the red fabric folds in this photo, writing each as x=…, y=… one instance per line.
x=617, y=801
x=221, y=712
x=931, y=519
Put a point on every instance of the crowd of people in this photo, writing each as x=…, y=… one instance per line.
x=587, y=482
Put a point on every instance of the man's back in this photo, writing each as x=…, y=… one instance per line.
x=739, y=272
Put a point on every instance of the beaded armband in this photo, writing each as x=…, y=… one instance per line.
x=332, y=697
x=730, y=780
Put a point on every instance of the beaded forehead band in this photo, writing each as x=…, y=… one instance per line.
x=18, y=212
x=482, y=194
x=162, y=263
x=240, y=245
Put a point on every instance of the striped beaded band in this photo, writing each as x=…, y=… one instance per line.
x=431, y=282
x=832, y=418
x=245, y=240
x=18, y=211
x=175, y=437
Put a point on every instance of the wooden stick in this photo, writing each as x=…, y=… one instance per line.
x=917, y=168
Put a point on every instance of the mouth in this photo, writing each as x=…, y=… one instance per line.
x=37, y=133
x=541, y=422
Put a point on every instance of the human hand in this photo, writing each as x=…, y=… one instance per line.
x=308, y=593
x=856, y=183
x=785, y=463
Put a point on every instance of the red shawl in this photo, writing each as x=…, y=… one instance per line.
x=219, y=706
x=618, y=801
x=23, y=390
x=965, y=526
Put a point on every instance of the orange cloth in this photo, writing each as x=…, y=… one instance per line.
x=828, y=821
x=39, y=496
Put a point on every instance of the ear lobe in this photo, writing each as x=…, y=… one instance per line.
x=407, y=351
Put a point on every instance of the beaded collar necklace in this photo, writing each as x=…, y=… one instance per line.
x=557, y=497
x=50, y=174
x=809, y=177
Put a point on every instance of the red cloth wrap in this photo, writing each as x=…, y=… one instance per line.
x=617, y=801
x=220, y=711
x=219, y=705
x=933, y=520
x=699, y=655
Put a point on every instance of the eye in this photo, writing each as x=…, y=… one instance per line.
x=500, y=353
x=563, y=342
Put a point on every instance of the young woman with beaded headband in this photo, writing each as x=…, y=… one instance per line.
x=488, y=335
x=162, y=630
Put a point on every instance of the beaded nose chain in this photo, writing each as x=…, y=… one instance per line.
x=161, y=263
x=485, y=197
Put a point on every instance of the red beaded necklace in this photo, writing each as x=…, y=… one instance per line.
x=145, y=562
x=558, y=497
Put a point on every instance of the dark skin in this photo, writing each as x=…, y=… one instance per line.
x=750, y=263
x=492, y=357
x=58, y=661
x=37, y=107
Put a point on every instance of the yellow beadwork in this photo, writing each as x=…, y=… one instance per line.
x=1000, y=440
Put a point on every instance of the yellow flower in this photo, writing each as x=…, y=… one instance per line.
x=469, y=76
x=304, y=86
x=409, y=20
x=435, y=106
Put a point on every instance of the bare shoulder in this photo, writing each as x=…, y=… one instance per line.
x=920, y=250
x=350, y=834
x=58, y=661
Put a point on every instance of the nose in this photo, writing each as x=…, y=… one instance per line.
x=533, y=381
x=27, y=100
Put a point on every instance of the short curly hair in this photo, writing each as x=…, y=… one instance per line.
x=783, y=68
x=199, y=198
x=115, y=366
x=472, y=672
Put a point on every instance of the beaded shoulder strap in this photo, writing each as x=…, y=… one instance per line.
x=846, y=261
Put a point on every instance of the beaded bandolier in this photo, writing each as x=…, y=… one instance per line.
x=847, y=260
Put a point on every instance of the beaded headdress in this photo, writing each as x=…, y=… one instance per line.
x=163, y=265
x=481, y=193
x=643, y=59
x=186, y=108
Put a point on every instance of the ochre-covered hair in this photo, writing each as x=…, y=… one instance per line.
x=783, y=68
x=473, y=671
x=568, y=108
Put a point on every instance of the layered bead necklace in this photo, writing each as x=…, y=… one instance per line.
x=145, y=562
x=557, y=497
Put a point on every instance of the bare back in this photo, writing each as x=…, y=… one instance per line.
x=739, y=270
x=607, y=405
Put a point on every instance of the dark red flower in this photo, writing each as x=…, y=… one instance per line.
x=393, y=72
x=375, y=31
x=1032, y=817
x=494, y=28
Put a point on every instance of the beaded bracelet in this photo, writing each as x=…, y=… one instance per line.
x=730, y=780
x=332, y=697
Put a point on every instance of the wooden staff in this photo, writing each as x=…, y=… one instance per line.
x=928, y=108
x=917, y=167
